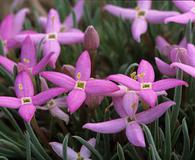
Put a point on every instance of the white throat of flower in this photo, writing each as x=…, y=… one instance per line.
x=140, y=12
x=52, y=36
x=26, y=100
x=146, y=85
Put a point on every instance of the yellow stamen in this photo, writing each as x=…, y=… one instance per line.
x=133, y=75
x=20, y=86
x=26, y=60
x=79, y=75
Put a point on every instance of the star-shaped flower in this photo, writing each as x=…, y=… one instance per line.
x=140, y=16
x=28, y=60
x=130, y=120
x=25, y=99
x=83, y=154
x=82, y=85
x=145, y=84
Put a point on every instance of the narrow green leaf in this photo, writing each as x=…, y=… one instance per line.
x=3, y=158
x=177, y=99
x=176, y=135
x=91, y=148
x=28, y=148
x=153, y=156
x=65, y=145
x=1, y=48
x=167, y=153
x=120, y=152
x=151, y=141
x=188, y=32
x=36, y=141
x=186, y=145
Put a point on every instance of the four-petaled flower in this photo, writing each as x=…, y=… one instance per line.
x=25, y=99
x=145, y=84
x=82, y=85
x=174, y=53
x=28, y=60
x=130, y=120
x=84, y=153
x=52, y=38
x=140, y=16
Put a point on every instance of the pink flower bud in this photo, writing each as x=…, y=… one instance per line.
x=91, y=38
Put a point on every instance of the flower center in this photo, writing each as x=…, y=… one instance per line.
x=79, y=157
x=52, y=36
x=193, y=10
x=26, y=100
x=146, y=85
x=51, y=104
x=80, y=85
x=140, y=13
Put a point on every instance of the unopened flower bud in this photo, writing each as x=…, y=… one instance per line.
x=91, y=38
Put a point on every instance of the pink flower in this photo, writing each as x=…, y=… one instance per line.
x=140, y=16
x=25, y=100
x=82, y=85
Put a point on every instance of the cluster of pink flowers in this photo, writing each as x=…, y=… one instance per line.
x=126, y=91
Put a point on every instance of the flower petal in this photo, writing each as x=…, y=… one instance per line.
x=53, y=21
x=135, y=134
x=100, y=87
x=112, y=126
x=41, y=65
x=139, y=27
x=184, y=6
x=7, y=64
x=183, y=43
x=59, y=79
x=28, y=53
x=78, y=11
x=70, y=37
x=156, y=17
x=168, y=83
x=125, y=80
x=165, y=68
x=58, y=113
x=44, y=85
x=75, y=99
x=118, y=106
x=58, y=148
x=145, y=72
x=83, y=67
x=130, y=103
x=143, y=4
x=84, y=151
x=52, y=46
x=27, y=111
x=10, y=102
x=162, y=45
x=47, y=95
x=6, y=30
x=23, y=85
x=186, y=68
x=154, y=113
x=182, y=18
x=191, y=54
x=19, y=19
x=125, y=13
x=150, y=100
